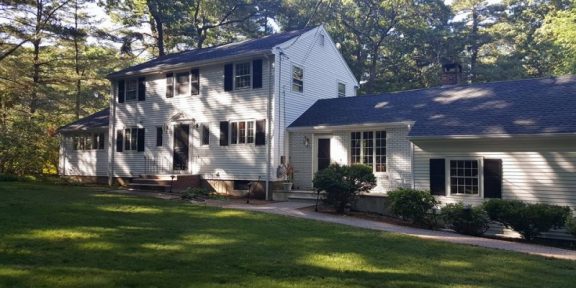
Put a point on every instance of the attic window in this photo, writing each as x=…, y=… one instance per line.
x=297, y=79
x=322, y=40
x=341, y=89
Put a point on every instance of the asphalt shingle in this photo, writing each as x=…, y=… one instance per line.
x=531, y=106
x=99, y=119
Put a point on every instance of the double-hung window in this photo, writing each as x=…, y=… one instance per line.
x=242, y=132
x=183, y=84
x=369, y=148
x=93, y=141
x=131, y=89
x=341, y=89
x=297, y=79
x=242, y=77
x=464, y=177
x=131, y=139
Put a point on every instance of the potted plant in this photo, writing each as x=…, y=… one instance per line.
x=289, y=181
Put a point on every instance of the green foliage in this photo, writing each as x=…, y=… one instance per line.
x=530, y=220
x=344, y=183
x=465, y=220
x=411, y=204
x=197, y=193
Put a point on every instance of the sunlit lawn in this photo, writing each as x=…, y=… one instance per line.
x=57, y=236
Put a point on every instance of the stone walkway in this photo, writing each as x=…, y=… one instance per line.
x=294, y=209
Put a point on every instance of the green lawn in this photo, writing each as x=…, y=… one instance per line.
x=58, y=236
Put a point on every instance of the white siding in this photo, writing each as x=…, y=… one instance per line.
x=398, y=156
x=323, y=68
x=213, y=105
x=81, y=162
x=535, y=170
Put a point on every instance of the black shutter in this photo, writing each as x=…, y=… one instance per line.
x=169, y=85
x=159, y=132
x=205, y=134
x=101, y=139
x=224, y=133
x=438, y=176
x=119, y=141
x=141, y=139
x=257, y=73
x=260, y=132
x=492, y=178
x=228, y=77
x=195, y=73
x=141, y=88
x=120, y=91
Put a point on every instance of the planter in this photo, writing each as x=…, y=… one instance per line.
x=287, y=186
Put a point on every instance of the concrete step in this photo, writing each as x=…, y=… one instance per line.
x=158, y=177
x=152, y=181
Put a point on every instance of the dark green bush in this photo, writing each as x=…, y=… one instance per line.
x=464, y=219
x=195, y=194
x=9, y=178
x=343, y=183
x=530, y=220
x=571, y=226
x=411, y=204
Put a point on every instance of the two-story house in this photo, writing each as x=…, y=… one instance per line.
x=218, y=114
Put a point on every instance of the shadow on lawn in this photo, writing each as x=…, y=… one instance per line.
x=77, y=239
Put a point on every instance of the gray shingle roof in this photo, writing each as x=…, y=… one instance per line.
x=531, y=106
x=96, y=120
x=264, y=44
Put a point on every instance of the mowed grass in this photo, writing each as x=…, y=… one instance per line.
x=62, y=236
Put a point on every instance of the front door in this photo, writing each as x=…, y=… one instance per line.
x=181, y=133
x=323, y=153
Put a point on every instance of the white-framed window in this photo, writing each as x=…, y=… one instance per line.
x=242, y=132
x=182, y=84
x=297, y=79
x=131, y=89
x=464, y=176
x=341, y=89
x=369, y=148
x=131, y=139
x=242, y=75
x=88, y=141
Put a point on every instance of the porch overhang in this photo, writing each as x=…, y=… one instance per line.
x=361, y=126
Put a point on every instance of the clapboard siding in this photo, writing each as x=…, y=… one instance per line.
x=323, y=68
x=211, y=106
x=534, y=170
x=81, y=162
x=399, y=170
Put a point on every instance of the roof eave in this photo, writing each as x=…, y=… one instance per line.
x=161, y=68
x=490, y=136
x=327, y=128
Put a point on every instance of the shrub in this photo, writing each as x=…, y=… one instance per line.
x=9, y=178
x=571, y=226
x=464, y=219
x=411, y=204
x=530, y=220
x=195, y=193
x=343, y=183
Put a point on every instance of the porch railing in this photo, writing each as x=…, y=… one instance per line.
x=157, y=165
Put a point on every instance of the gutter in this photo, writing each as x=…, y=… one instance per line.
x=327, y=128
x=492, y=136
x=193, y=64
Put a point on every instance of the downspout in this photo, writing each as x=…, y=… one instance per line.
x=111, y=137
x=269, y=128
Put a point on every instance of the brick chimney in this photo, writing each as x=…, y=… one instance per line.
x=451, y=74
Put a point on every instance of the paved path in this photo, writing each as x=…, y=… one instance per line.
x=294, y=209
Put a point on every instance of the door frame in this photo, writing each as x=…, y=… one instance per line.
x=189, y=145
x=315, y=139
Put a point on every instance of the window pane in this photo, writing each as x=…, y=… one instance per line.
x=464, y=177
x=134, y=140
x=355, y=148
x=241, y=132
x=182, y=83
x=380, y=151
x=234, y=133
x=341, y=90
x=127, y=139
x=297, y=79
x=250, y=137
x=131, y=86
x=368, y=148
x=242, y=77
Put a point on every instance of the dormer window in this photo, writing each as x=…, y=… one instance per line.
x=243, y=77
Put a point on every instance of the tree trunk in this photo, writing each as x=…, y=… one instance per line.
x=36, y=54
x=77, y=62
x=159, y=26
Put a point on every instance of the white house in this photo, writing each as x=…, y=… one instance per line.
x=218, y=114
x=464, y=143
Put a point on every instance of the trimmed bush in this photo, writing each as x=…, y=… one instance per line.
x=344, y=183
x=530, y=220
x=571, y=226
x=465, y=219
x=411, y=204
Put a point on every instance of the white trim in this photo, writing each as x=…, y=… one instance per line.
x=250, y=73
x=480, y=177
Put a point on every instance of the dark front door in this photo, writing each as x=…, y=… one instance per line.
x=181, y=133
x=323, y=153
